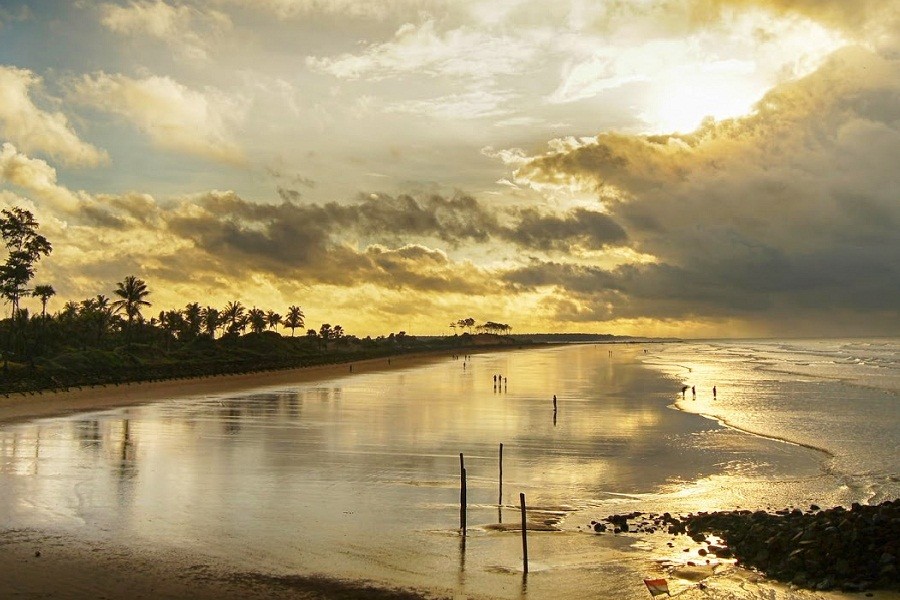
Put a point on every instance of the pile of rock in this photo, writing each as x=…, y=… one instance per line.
x=851, y=550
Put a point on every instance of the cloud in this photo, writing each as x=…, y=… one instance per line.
x=474, y=104
x=36, y=130
x=855, y=16
x=219, y=235
x=36, y=176
x=789, y=210
x=581, y=227
x=186, y=28
x=421, y=49
x=372, y=9
x=173, y=116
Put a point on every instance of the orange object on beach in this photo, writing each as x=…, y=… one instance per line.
x=657, y=587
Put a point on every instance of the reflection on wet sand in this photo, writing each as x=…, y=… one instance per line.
x=358, y=477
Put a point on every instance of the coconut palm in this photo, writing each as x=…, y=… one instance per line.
x=257, y=317
x=211, y=320
x=103, y=314
x=232, y=315
x=193, y=319
x=44, y=292
x=273, y=319
x=131, y=292
x=294, y=319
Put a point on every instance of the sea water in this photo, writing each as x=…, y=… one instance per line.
x=359, y=476
x=840, y=396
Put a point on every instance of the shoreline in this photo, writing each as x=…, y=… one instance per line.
x=38, y=405
x=20, y=407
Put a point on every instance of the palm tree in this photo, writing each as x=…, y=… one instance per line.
x=44, y=292
x=104, y=313
x=232, y=315
x=211, y=320
x=193, y=319
x=131, y=292
x=257, y=319
x=294, y=319
x=273, y=319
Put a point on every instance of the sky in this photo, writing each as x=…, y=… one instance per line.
x=687, y=168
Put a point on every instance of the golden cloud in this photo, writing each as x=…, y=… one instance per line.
x=36, y=130
x=173, y=116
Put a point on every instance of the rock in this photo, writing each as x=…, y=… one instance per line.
x=836, y=548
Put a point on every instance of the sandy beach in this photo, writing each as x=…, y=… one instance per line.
x=346, y=485
x=21, y=407
x=44, y=564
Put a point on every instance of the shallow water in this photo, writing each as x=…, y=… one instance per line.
x=837, y=395
x=358, y=476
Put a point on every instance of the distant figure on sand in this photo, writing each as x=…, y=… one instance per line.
x=554, y=402
x=714, y=391
x=693, y=391
x=495, y=380
x=683, y=390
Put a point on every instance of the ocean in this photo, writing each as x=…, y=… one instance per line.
x=838, y=396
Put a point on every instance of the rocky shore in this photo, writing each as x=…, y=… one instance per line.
x=853, y=549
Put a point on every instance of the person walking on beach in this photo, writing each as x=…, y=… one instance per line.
x=554, y=402
x=714, y=391
x=693, y=391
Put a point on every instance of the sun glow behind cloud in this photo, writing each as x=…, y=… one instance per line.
x=399, y=164
x=717, y=71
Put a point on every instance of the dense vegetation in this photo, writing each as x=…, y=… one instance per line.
x=110, y=340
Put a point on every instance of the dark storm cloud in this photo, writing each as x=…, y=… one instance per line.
x=309, y=241
x=580, y=227
x=791, y=209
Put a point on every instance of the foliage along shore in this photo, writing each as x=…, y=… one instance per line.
x=228, y=355
x=852, y=550
x=102, y=340
x=205, y=356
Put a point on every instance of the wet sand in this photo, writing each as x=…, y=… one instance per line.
x=40, y=564
x=210, y=554
x=23, y=407
x=44, y=565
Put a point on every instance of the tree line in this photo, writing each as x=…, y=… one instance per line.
x=113, y=338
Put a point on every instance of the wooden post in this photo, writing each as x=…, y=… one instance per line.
x=462, y=494
x=500, y=496
x=524, y=533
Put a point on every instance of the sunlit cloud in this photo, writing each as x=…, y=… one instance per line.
x=422, y=49
x=172, y=115
x=34, y=129
x=373, y=9
x=714, y=167
x=474, y=104
x=723, y=207
x=186, y=27
x=35, y=176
